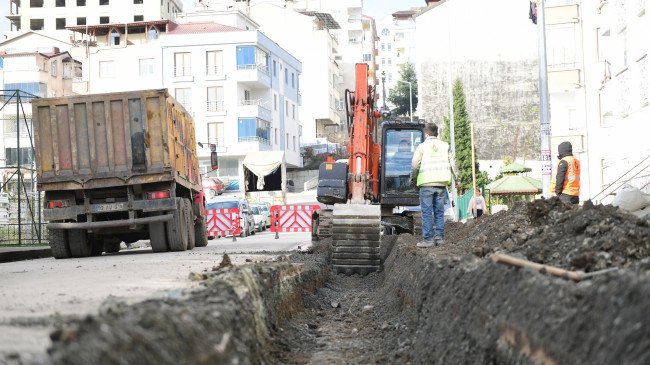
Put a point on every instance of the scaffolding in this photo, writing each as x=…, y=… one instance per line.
x=21, y=221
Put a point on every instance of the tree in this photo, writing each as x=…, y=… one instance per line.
x=463, y=140
x=400, y=96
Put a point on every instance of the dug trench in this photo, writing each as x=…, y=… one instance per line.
x=450, y=304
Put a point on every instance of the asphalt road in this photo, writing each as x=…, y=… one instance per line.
x=32, y=290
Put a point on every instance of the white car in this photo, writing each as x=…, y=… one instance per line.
x=260, y=218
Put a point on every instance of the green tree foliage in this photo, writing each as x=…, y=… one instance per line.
x=400, y=96
x=463, y=139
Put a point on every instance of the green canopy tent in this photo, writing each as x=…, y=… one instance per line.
x=513, y=187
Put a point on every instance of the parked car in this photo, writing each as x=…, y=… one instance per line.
x=213, y=186
x=260, y=218
x=266, y=210
x=246, y=220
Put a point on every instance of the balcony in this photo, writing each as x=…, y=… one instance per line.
x=214, y=73
x=183, y=74
x=255, y=108
x=215, y=107
x=561, y=81
x=255, y=76
x=253, y=143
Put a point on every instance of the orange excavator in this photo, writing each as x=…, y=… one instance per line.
x=366, y=196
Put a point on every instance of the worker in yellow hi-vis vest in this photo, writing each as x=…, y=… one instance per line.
x=431, y=169
x=566, y=183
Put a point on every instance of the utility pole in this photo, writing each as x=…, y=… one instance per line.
x=545, y=125
x=383, y=87
x=452, y=143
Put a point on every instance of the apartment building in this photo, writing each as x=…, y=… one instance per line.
x=396, y=47
x=240, y=85
x=53, y=16
x=26, y=65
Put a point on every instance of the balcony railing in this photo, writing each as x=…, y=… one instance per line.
x=182, y=71
x=213, y=70
x=260, y=68
x=254, y=139
x=260, y=102
x=219, y=141
x=215, y=106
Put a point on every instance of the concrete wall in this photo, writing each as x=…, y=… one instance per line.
x=299, y=177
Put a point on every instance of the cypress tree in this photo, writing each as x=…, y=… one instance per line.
x=463, y=139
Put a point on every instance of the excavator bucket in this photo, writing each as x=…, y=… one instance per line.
x=356, y=235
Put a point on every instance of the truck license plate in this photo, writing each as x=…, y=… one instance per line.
x=109, y=207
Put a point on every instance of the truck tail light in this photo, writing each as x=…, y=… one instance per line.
x=158, y=195
x=57, y=204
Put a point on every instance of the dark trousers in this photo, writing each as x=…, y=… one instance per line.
x=569, y=199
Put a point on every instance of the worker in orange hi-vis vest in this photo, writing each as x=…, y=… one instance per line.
x=566, y=183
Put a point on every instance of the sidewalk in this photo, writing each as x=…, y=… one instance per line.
x=10, y=254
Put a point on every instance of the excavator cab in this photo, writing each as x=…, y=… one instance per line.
x=399, y=141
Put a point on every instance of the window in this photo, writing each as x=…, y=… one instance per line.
x=182, y=65
x=251, y=129
x=275, y=69
x=152, y=34
x=115, y=38
x=367, y=57
x=60, y=3
x=184, y=96
x=383, y=46
x=249, y=57
x=390, y=61
x=277, y=137
x=385, y=32
x=36, y=3
x=247, y=95
x=286, y=76
x=103, y=2
x=26, y=156
x=293, y=81
x=275, y=102
x=215, y=99
x=36, y=24
x=383, y=61
x=33, y=88
x=216, y=134
x=287, y=143
x=106, y=69
x=81, y=2
x=53, y=68
x=286, y=107
x=293, y=108
x=138, y=1
x=81, y=21
x=214, y=62
x=60, y=23
x=390, y=76
x=138, y=18
x=388, y=46
x=146, y=67
x=104, y=20
x=294, y=143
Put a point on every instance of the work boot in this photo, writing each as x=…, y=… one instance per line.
x=438, y=241
x=425, y=244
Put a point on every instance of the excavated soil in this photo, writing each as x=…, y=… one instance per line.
x=442, y=305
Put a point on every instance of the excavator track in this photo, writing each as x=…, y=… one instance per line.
x=356, y=236
x=321, y=225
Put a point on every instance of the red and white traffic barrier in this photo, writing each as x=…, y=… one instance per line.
x=292, y=218
x=223, y=222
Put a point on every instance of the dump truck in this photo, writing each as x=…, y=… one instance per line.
x=265, y=177
x=118, y=167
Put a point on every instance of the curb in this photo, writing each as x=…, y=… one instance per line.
x=24, y=253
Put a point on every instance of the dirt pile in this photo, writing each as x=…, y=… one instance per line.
x=452, y=305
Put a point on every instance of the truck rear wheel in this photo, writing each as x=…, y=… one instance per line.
x=111, y=246
x=191, y=236
x=177, y=228
x=59, y=244
x=79, y=244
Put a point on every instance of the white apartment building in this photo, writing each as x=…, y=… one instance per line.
x=616, y=85
x=240, y=86
x=396, y=47
x=36, y=71
x=53, y=16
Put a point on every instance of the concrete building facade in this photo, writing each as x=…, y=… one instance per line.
x=241, y=87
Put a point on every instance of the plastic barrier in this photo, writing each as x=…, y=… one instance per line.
x=292, y=218
x=223, y=222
